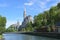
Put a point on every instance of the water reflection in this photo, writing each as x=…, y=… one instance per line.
x=25, y=37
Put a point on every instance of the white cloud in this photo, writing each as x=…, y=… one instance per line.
x=42, y=4
x=29, y=3
x=3, y=5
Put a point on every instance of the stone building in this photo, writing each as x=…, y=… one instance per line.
x=26, y=19
x=16, y=26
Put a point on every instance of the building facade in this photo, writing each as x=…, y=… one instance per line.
x=26, y=19
x=16, y=26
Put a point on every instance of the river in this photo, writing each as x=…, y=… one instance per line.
x=25, y=37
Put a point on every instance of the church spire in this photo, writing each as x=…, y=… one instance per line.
x=24, y=15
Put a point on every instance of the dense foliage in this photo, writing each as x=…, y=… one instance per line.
x=48, y=18
x=28, y=27
x=2, y=24
x=11, y=28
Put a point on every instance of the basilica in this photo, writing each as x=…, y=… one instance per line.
x=25, y=20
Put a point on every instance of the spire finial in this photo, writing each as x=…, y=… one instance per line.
x=24, y=12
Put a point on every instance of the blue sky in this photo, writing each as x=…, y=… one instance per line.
x=13, y=9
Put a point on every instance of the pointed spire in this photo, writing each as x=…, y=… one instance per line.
x=24, y=15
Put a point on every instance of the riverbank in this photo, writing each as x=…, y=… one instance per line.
x=1, y=37
x=45, y=34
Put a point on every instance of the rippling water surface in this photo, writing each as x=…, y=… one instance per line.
x=25, y=37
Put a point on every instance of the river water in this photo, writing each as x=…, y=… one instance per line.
x=25, y=37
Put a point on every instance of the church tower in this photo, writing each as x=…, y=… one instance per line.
x=18, y=24
x=24, y=15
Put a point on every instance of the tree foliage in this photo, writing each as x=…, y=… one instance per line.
x=48, y=18
x=2, y=24
x=28, y=27
x=11, y=28
x=58, y=5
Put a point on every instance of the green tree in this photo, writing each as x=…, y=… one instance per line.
x=29, y=27
x=38, y=20
x=11, y=28
x=58, y=5
x=48, y=18
x=2, y=24
x=57, y=17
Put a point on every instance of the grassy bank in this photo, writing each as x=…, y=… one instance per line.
x=1, y=36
